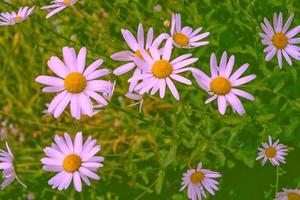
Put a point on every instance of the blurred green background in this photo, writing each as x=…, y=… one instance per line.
x=147, y=153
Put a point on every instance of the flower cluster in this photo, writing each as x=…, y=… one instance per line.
x=72, y=161
x=154, y=71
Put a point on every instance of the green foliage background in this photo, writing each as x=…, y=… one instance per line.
x=147, y=153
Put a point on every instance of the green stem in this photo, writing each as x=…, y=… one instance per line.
x=117, y=107
x=26, y=121
x=148, y=120
x=28, y=164
x=21, y=182
x=145, y=191
x=277, y=179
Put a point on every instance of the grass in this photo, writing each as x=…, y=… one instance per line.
x=147, y=153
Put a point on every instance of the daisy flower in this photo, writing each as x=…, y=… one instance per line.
x=222, y=84
x=7, y=165
x=186, y=37
x=13, y=17
x=75, y=84
x=72, y=161
x=274, y=152
x=280, y=40
x=158, y=71
x=57, y=6
x=288, y=194
x=135, y=44
x=198, y=180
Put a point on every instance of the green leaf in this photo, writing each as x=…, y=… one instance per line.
x=267, y=117
x=279, y=85
x=160, y=181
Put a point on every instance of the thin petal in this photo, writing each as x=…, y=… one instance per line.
x=78, y=143
x=242, y=93
x=49, y=80
x=122, y=56
x=239, y=72
x=213, y=65
x=293, y=32
x=77, y=182
x=62, y=105
x=243, y=80
x=92, y=67
x=235, y=103
x=172, y=88
x=168, y=49
x=81, y=60
x=141, y=36
x=222, y=104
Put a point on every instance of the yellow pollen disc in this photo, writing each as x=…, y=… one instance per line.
x=220, y=85
x=271, y=152
x=293, y=196
x=181, y=39
x=162, y=69
x=197, y=177
x=72, y=163
x=280, y=40
x=18, y=18
x=68, y=2
x=75, y=82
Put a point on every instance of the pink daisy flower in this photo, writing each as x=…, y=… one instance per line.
x=198, y=180
x=7, y=165
x=159, y=71
x=274, y=152
x=57, y=6
x=280, y=40
x=75, y=84
x=222, y=84
x=135, y=44
x=288, y=194
x=186, y=37
x=12, y=18
x=72, y=161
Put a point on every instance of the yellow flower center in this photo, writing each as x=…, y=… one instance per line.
x=293, y=196
x=181, y=39
x=67, y=2
x=197, y=177
x=220, y=85
x=75, y=82
x=162, y=69
x=280, y=40
x=18, y=18
x=72, y=163
x=271, y=152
